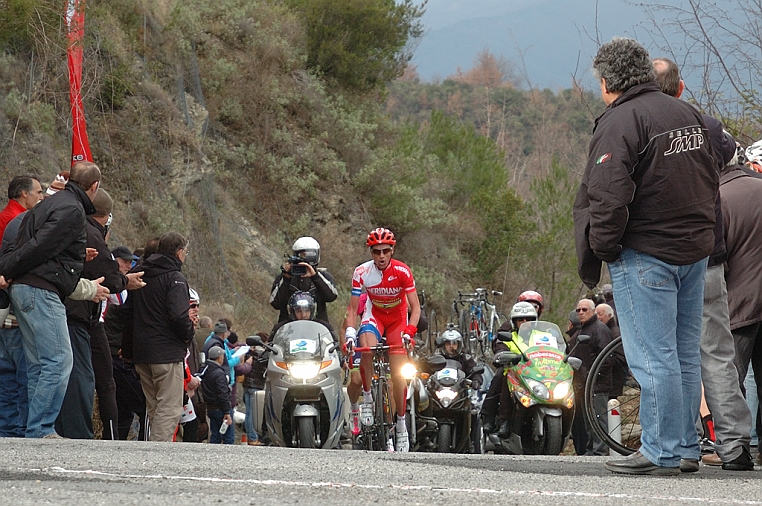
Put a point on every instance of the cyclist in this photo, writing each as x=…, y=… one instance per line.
x=354, y=388
x=498, y=399
x=391, y=288
x=533, y=298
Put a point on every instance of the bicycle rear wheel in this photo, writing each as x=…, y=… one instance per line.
x=383, y=411
x=611, y=357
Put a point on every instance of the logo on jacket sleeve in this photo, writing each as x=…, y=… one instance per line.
x=603, y=158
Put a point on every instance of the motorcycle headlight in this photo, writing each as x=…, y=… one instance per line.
x=562, y=390
x=409, y=371
x=304, y=370
x=538, y=389
x=447, y=393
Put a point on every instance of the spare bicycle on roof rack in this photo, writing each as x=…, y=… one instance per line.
x=478, y=321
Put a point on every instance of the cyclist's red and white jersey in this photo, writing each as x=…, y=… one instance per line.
x=387, y=290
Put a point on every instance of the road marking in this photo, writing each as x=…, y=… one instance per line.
x=426, y=488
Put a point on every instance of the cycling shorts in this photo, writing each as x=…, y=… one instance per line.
x=390, y=325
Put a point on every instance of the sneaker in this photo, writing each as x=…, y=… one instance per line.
x=390, y=445
x=355, y=421
x=366, y=413
x=741, y=463
x=403, y=443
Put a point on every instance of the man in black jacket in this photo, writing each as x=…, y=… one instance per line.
x=92, y=368
x=600, y=336
x=215, y=386
x=646, y=207
x=45, y=265
x=156, y=334
x=317, y=281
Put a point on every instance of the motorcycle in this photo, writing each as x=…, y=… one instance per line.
x=303, y=397
x=439, y=410
x=540, y=383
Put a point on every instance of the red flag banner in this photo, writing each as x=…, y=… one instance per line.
x=75, y=23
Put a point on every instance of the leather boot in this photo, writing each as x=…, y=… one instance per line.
x=488, y=424
x=505, y=429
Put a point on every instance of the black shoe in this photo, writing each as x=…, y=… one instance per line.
x=488, y=425
x=505, y=429
x=741, y=463
x=638, y=464
x=689, y=465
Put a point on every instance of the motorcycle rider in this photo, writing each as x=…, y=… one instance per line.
x=533, y=298
x=317, y=281
x=390, y=287
x=498, y=399
x=301, y=306
x=452, y=349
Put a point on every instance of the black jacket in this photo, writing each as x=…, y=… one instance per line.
x=256, y=377
x=600, y=336
x=321, y=286
x=49, y=252
x=160, y=328
x=650, y=184
x=215, y=386
x=84, y=312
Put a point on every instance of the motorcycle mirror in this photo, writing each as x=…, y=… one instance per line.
x=438, y=342
x=575, y=363
x=478, y=369
x=505, y=336
x=333, y=348
x=254, y=341
x=506, y=359
x=583, y=338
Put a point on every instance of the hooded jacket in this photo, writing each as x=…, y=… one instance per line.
x=49, y=251
x=215, y=386
x=650, y=184
x=157, y=327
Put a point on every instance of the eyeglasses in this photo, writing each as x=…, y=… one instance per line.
x=384, y=251
x=194, y=306
x=582, y=309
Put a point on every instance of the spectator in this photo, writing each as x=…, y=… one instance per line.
x=157, y=331
x=202, y=331
x=190, y=420
x=578, y=429
x=619, y=370
x=23, y=193
x=317, y=281
x=741, y=208
x=608, y=296
x=649, y=149
x=253, y=382
x=124, y=258
x=45, y=266
x=215, y=386
x=600, y=336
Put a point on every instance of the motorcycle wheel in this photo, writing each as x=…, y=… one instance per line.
x=477, y=436
x=444, y=438
x=553, y=442
x=306, y=432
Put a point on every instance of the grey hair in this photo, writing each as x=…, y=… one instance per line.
x=623, y=63
x=607, y=310
x=590, y=303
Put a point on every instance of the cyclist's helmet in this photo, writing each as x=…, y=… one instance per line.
x=381, y=236
x=754, y=156
x=451, y=336
x=301, y=301
x=194, y=298
x=308, y=249
x=523, y=310
x=534, y=298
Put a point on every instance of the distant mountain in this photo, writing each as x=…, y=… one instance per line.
x=549, y=41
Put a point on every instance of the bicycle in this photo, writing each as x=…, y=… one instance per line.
x=610, y=357
x=479, y=323
x=377, y=437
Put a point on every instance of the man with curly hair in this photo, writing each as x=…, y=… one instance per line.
x=646, y=207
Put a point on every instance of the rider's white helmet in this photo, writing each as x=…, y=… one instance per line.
x=523, y=310
x=308, y=249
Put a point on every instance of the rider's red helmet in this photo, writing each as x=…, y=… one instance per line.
x=381, y=236
x=531, y=296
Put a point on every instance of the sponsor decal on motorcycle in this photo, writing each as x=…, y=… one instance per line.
x=544, y=354
x=447, y=373
x=543, y=339
x=302, y=345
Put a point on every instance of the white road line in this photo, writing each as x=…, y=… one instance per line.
x=427, y=488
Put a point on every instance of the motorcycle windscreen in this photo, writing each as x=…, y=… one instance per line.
x=451, y=374
x=540, y=333
x=302, y=339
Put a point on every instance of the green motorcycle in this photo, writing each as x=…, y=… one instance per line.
x=540, y=382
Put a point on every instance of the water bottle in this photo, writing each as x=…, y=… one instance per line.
x=223, y=427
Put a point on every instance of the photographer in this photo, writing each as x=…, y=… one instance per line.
x=300, y=273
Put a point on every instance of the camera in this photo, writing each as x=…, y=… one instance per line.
x=296, y=269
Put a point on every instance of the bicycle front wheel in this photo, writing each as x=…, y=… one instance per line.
x=611, y=358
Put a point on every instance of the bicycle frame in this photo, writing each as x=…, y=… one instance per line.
x=478, y=307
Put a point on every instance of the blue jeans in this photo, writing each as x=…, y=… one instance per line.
x=659, y=307
x=249, y=399
x=14, y=400
x=753, y=402
x=42, y=320
x=215, y=422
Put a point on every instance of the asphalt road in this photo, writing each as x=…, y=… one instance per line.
x=99, y=472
